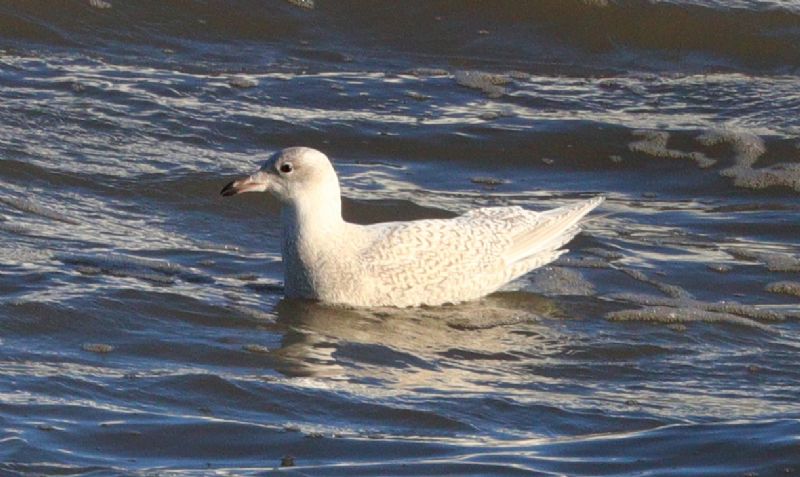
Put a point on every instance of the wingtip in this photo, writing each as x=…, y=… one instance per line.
x=593, y=203
x=589, y=204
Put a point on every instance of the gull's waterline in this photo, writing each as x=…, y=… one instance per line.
x=422, y=262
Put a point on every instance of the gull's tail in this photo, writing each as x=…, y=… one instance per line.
x=542, y=242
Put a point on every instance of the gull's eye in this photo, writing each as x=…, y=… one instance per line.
x=286, y=168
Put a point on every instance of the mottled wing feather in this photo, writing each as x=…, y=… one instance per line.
x=471, y=244
x=443, y=247
x=482, y=249
x=549, y=230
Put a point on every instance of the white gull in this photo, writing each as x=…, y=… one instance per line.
x=401, y=264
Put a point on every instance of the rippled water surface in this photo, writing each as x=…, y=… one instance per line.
x=142, y=325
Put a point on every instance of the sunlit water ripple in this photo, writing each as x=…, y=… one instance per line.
x=142, y=324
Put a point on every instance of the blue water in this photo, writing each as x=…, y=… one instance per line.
x=143, y=329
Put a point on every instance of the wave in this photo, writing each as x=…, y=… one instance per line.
x=604, y=33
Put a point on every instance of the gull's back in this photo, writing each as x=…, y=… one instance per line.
x=432, y=262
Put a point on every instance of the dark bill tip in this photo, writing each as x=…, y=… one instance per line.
x=229, y=189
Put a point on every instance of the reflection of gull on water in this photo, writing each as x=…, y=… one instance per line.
x=321, y=340
x=423, y=262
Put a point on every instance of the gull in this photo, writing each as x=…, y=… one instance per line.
x=399, y=264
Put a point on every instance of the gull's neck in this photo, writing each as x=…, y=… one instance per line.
x=315, y=215
x=313, y=240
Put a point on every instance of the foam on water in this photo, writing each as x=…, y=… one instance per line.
x=662, y=314
x=27, y=205
x=142, y=325
x=784, y=287
x=672, y=291
x=493, y=85
x=654, y=143
x=121, y=265
x=774, y=261
x=560, y=281
x=732, y=308
x=748, y=148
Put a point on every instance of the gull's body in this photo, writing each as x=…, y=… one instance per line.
x=423, y=262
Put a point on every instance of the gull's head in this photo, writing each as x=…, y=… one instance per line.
x=291, y=175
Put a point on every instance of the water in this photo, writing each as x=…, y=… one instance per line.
x=142, y=325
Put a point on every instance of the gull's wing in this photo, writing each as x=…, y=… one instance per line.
x=480, y=250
